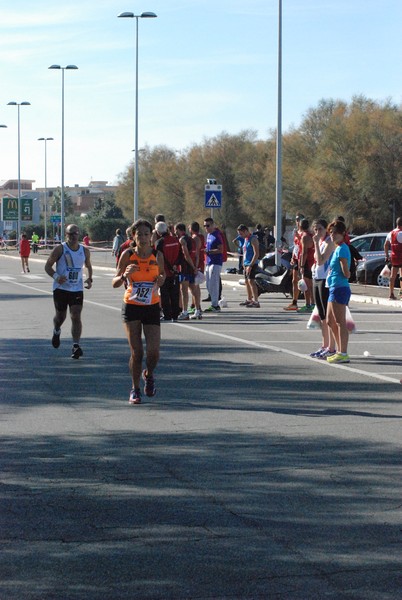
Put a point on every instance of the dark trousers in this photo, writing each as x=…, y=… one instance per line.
x=170, y=298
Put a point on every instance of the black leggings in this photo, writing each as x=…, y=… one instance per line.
x=321, y=294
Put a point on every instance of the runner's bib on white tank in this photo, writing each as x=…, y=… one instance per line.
x=70, y=265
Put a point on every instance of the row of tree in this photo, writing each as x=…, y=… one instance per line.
x=342, y=159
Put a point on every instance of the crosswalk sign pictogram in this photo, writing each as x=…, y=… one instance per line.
x=213, y=196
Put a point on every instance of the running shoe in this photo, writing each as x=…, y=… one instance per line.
x=135, y=396
x=76, y=352
x=197, y=315
x=307, y=308
x=191, y=310
x=184, y=316
x=338, y=358
x=56, y=339
x=213, y=309
x=149, y=387
x=325, y=353
x=290, y=307
x=317, y=353
x=253, y=305
x=245, y=303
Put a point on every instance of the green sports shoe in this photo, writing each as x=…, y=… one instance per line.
x=307, y=308
x=338, y=358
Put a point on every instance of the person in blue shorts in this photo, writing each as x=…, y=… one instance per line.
x=339, y=291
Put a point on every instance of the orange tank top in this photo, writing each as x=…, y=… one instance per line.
x=141, y=288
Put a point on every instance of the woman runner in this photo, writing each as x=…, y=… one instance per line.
x=141, y=269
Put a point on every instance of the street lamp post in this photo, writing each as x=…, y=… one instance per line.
x=130, y=15
x=18, y=104
x=46, y=140
x=62, y=69
x=278, y=201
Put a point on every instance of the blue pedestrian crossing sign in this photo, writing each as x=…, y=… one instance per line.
x=213, y=196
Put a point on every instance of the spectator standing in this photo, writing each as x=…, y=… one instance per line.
x=306, y=262
x=118, y=240
x=393, y=244
x=324, y=247
x=85, y=240
x=199, y=263
x=35, y=242
x=250, y=262
x=154, y=237
x=239, y=242
x=260, y=235
x=214, y=261
x=339, y=292
x=169, y=246
x=25, y=250
x=126, y=244
x=188, y=271
x=294, y=263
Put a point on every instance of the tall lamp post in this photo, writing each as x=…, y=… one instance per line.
x=46, y=140
x=278, y=200
x=130, y=15
x=62, y=69
x=18, y=104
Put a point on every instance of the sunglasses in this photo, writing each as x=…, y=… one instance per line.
x=72, y=232
x=207, y=225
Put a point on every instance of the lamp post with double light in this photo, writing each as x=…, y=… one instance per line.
x=62, y=69
x=18, y=104
x=130, y=15
x=46, y=140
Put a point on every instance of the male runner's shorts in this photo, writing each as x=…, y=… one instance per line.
x=148, y=315
x=62, y=299
x=251, y=275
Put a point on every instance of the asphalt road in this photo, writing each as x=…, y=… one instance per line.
x=256, y=472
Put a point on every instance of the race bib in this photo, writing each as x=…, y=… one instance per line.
x=73, y=275
x=142, y=292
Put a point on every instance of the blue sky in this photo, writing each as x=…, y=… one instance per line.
x=205, y=66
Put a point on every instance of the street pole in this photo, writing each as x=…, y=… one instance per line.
x=278, y=200
x=18, y=104
x=43, y=139
x=144, y=15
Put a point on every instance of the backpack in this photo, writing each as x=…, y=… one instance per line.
x=224, y=245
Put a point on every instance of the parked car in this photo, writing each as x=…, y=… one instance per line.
x=370, y=245
x=369, y=272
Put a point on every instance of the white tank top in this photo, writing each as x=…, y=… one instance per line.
x=70, y=265
x=321, y=271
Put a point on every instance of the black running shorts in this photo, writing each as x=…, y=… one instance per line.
x=148, y=315
x=62, y=299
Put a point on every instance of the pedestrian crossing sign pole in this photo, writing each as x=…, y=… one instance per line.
x=213, y=196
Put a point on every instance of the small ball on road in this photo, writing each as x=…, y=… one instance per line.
x=366, y=353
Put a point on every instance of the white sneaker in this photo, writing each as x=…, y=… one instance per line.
x=184, y=316
x=196, y=315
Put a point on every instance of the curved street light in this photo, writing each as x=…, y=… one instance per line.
x=46, y=140
x=18, y=104
x=62, y=69
x=130, y=15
